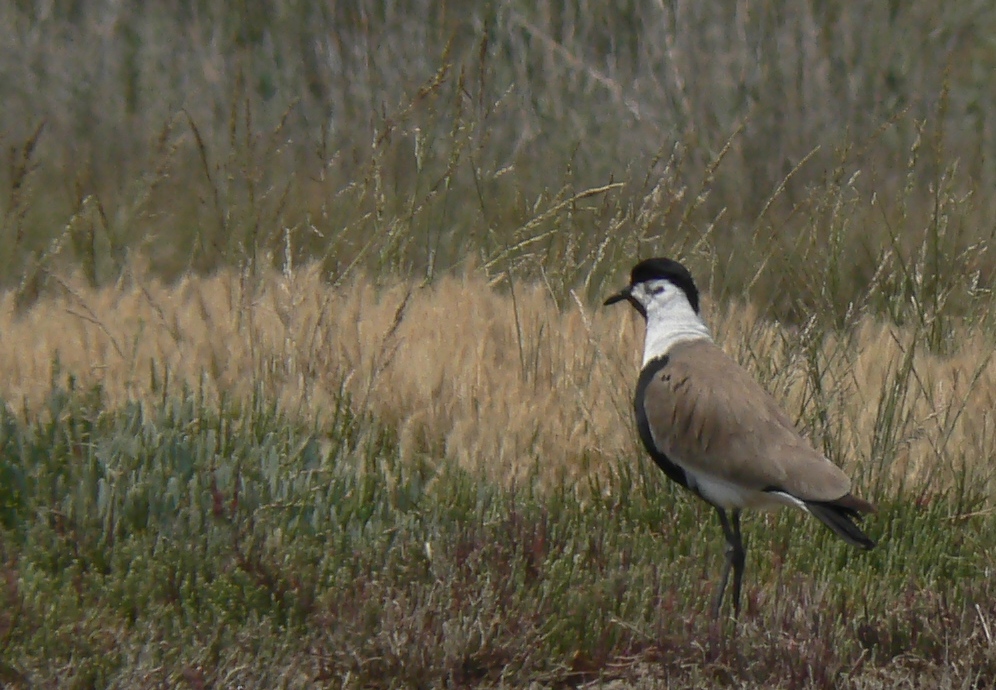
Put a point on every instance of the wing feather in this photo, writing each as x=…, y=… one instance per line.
x=711, y=417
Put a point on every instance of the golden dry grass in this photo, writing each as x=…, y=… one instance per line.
x=487, y=377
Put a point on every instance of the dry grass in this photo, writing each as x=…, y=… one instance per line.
x=208, y=135
x=488, y=377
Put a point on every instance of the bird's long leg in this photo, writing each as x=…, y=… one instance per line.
x=739, y=556
x=735, y=558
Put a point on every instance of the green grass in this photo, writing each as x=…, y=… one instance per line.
x=183, y=544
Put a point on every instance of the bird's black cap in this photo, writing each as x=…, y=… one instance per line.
x=657, y=269
x=668, y=269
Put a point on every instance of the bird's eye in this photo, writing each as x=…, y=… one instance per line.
x=656, y=290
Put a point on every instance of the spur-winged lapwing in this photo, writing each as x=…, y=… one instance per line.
x=714, y=430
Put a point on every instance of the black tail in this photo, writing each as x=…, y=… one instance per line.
x=840, y=515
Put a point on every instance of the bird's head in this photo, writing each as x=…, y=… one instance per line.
x=655, y=283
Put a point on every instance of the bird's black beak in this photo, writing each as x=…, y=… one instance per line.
x=623, y=294
x=626, y=295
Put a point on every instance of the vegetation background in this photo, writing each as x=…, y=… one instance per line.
x=306, y=383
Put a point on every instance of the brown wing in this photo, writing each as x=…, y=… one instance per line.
x=708, y=415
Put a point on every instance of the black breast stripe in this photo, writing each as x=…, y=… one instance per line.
x=673, y=471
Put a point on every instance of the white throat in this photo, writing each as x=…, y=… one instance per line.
x=669, y=324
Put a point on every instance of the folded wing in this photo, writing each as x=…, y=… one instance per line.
x=708, y=415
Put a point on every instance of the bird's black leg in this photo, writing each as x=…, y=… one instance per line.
x=735, y=558
x=738, y=554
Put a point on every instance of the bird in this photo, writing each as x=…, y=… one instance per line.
x=711, y=427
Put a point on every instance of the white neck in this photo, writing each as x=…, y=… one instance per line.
x=669, y=324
